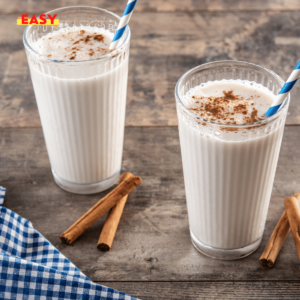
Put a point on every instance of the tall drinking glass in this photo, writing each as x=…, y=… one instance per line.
x=228, y=169
x=81, y=104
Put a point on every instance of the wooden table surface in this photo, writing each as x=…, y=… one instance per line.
x=152, y=256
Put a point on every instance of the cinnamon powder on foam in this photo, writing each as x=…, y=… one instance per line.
x=74, y=44
x=84, y=38
x=223, y=109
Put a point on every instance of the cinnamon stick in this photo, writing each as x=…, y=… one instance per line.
x=293, y=213
x=277, y=239
x=112, y=221
x=100, y=208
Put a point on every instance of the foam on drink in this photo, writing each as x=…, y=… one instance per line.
x=230, y=101
x=75, y=43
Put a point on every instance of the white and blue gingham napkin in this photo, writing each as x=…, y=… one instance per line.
x=32, y=268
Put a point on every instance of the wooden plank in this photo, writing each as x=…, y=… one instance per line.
x=209, y=290
x=152, y=242
x=163, y=47
x=32, y=6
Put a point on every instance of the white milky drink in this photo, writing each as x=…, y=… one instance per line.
x=228, y=169
x=81, y=97
x=83, y=117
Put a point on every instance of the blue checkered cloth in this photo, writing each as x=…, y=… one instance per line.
x=32, y=268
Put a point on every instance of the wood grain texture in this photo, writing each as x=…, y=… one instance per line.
x=163, y=47
x=152, y=242
x=32, y=6
x=209, y=291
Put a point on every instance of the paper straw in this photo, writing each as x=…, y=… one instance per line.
x=123, y=23
x=284, y=91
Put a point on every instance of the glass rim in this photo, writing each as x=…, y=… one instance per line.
x=103, y=57
x=254, y=124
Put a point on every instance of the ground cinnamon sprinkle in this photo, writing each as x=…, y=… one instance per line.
x=99, y=38
x=78, y=41
x=223, y=109
x=91, y=53
x=88, y=39
x=253, y=117
x=229, y=96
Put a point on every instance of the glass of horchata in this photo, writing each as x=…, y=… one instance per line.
x=229, y=153
x=80, y=87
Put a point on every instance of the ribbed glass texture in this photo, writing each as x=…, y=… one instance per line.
x=82, y=103
x=228, y=169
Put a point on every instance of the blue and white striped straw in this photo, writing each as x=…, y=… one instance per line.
x=284, y=91
x=123, y=23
